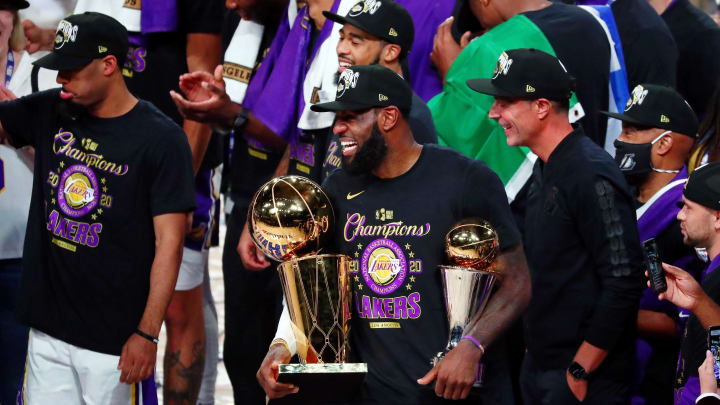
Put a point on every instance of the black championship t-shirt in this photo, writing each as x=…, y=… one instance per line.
x=90, y=239
x=421, y=125
x=394, y=230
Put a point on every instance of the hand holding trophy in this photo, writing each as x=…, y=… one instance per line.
x=291, y=220
x=472, y=248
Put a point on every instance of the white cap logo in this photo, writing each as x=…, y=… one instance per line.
x=348, y=79
x=503, y=65
x=366, y=6
x=66, y=32
x=637, y=97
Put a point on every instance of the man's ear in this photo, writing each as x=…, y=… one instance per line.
x=390, y=53
x=543, y=107
x=716, y=220
x=110, y=64
x=389, y=118
x=664, y=144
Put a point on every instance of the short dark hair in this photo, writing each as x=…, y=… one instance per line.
x=563, y=105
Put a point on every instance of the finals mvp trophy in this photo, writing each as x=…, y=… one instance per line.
x=291, y=221
x=468, y=281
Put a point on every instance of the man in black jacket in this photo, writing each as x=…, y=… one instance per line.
x=581, y=240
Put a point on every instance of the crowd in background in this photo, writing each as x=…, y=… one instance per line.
x=239, y=79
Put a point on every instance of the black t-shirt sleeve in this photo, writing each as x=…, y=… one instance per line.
x=483, y=196
x=201, y=16
x=17, y=116
x=173, y=188
x=608, y=228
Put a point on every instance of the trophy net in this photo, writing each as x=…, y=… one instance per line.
x=317, y=291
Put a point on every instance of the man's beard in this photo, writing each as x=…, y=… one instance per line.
x=370, y=155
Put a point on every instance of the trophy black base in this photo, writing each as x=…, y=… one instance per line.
x=321, y=384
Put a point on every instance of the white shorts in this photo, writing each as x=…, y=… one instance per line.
x=192, y=269
x=57, y=372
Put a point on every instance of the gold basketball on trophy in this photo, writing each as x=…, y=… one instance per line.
x=290, y=217
x=474, y=244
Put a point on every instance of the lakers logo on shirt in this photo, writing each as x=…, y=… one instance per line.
x=383, y=266
x=78, y=195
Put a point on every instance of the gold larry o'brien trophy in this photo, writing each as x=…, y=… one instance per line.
x=472, y=249
x=291, y=220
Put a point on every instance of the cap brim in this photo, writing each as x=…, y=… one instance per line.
x=486, y=86
x=625, y=118
x=344, y=20
x=54, y=61
x=335, y=17
x=339, y=106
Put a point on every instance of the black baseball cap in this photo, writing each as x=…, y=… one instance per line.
x=655, y=106
x=384, y=19
x=363, y=87
x=703, y=186
x=81, y=38
x=14, y=4
x=527, y=74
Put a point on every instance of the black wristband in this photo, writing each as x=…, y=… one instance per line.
x=240, y=121
x=578, y=372
x=146, y=336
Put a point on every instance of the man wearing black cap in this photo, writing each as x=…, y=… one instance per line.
x=382, y=37
x=581, y=240
x=113, y=182
x=700, y=226
x=659, y=129
x=389, y=182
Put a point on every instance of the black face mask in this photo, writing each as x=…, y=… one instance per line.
x=634, y=160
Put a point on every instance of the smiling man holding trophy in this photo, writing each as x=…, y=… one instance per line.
x=394, y=202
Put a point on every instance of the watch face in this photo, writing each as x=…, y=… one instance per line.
x=577, y=371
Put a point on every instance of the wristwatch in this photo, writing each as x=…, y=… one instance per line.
x=578, y=372
x=240, y=121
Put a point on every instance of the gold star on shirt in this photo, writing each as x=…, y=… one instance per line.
x=52, y=201
x=100, y=211
x=357, y=254
x=62, y=164
x=103, y=180
x=411, y=254
x=52, y=191
x=407, y=246
x=412, y=279
x=104, y=189
x=357, y=279
x=93, y=216
x=409, y=287
x=360, y=286
x=359, y=246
